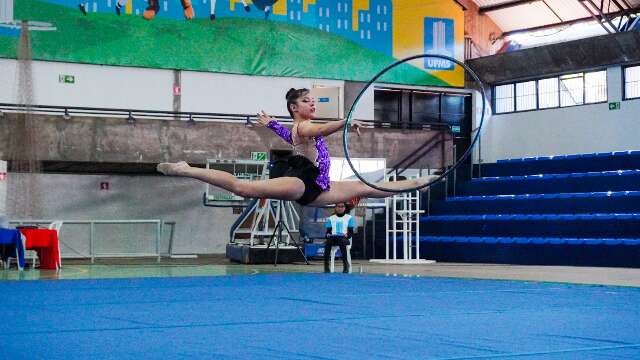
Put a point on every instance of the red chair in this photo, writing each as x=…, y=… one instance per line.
x=46, y=243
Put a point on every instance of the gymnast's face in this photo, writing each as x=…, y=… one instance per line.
x=305, y=107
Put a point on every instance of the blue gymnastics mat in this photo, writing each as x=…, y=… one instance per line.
x=316, y=316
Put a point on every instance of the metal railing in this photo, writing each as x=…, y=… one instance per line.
x=190, y=117
x=93, y=254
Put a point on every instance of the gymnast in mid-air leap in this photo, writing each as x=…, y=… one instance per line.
x=306, y=180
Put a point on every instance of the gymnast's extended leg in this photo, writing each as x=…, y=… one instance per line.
x=283, y=188
x=342, y=191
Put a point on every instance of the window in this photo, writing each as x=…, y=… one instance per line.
x=561, y=91
x=410, y=108
x=504, y=98
x=387, y=105
x=571, y=90
x=526, y=96
x=595, y=87
x=453, y=108
x=632, y=82
x=548, y=96
x=425, y=107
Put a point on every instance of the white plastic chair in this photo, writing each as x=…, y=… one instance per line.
x=57, y=226
x=33, y=254
x=7, y=264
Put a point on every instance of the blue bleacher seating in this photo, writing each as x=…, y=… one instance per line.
x=579, y=209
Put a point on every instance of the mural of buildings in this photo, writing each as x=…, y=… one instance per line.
x=366, y=22
x=397, y=28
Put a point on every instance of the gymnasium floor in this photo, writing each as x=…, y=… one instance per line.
x=218, y=265
x=207, y=308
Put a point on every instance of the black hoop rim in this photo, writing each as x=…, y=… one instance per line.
x=345, y=133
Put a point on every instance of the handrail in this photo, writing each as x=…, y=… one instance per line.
x=188, y=116
x=242, y=218
x=158, y=232
x=479, y=154
x=415, y=155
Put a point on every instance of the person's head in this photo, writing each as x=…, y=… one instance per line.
x=300, y=103
x=340, y=208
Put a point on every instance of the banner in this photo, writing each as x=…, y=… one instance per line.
x=330, y=39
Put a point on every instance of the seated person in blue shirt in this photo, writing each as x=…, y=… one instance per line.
x=339, y=234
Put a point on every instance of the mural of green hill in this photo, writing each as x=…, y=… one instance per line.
x=231, y=45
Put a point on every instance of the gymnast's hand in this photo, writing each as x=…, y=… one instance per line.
x=263, y=118
x=357, y=125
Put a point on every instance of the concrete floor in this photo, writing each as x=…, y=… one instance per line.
x=217, y=265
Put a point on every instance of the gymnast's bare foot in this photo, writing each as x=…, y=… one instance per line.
x=174, y=169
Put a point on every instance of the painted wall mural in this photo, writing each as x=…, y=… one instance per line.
x=332, y=39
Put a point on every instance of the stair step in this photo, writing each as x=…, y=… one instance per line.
x=619, y=160
x=533, y=225
x=537, y=177
x=621, y=180
x=511, y=217
x=531, y=240
x=570, y=203
x=572, y=156
x=594, y=194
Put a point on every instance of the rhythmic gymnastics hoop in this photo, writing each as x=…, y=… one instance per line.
x=345, y=133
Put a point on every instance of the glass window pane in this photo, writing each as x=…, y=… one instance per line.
x=632, y=82
x=525, y=95
x=425, y=107
x=387, y=105
x=453, y=111
x=504, y=98
x=571, y=89
x=548, y=93
x=595, y=87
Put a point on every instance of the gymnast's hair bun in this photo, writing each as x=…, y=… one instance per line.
x=290, y=93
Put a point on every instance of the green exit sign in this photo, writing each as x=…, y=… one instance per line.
x=67, y=79
x=614, y=105
x=258, y=156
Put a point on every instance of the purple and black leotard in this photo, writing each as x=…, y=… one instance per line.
x=314, y=176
